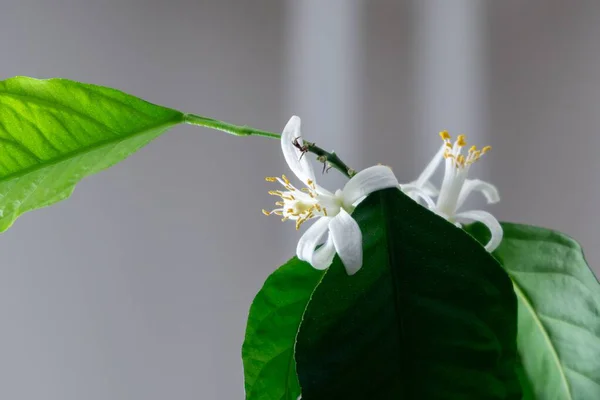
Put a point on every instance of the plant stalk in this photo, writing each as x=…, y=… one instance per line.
x=329, y=159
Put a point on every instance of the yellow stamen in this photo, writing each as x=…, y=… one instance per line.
x=285, y=179
x=473, y=149
x=486, y=149
x=279, y=203
x=299, y=223
x=288, y=198
x=461, y=140
x=270, y=179
x=275, y=193
x=445, y=135
x=324, y=211
x=267, y=213
x=278, y=212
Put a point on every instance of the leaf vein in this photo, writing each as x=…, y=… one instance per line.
x=544, y=333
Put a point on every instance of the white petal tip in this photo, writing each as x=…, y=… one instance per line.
x=347, y=238
x=352, y=269
x=496, y=232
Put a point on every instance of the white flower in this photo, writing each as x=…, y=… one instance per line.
x=331, y=210
x=456, y=187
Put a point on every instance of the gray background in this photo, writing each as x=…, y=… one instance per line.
x=138, y=286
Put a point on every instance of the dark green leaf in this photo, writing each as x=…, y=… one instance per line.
x=431, y=315
x=55, y=132
x=559, y=311
x=275, y=315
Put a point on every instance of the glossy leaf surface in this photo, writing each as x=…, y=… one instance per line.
x=559, y=311
x=275, y=315
x=431, y=315
x=55, y=132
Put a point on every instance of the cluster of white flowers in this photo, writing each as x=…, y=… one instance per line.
x=332, y=210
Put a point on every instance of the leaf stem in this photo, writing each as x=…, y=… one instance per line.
x=226, y=127
x=329, y=159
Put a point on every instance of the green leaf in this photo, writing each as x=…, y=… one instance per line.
x=431, y=315
x=559, y=311
x=55, y=132
x=275, y=315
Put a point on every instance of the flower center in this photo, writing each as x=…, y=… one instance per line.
x=457, y=166
x=454, y=151
x=302, y=204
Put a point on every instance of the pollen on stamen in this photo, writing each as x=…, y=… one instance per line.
x=472, y=149
x=461, y=140
x=445, y=135
x=265, y=212
x=285, y=179
x=270, y=179
x=486, y=149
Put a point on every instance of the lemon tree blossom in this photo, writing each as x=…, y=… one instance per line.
x=333, y=229
x=456, y=187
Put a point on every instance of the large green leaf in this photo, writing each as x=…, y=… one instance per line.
x=431, y=315
x=55, y=132
x=275, y=315
x=559, y=311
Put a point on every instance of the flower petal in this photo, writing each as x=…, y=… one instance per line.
x=368, y=181
x=487, y=189
x=417, y=194
x=347, y=239
x=489, y=221
x=311, y=238
x=430, y=190
x=429, y=170
x=298, y=163
x=323, y=256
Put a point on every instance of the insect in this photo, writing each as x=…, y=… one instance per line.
x=302, y=147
